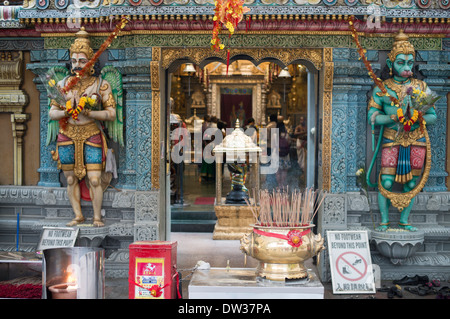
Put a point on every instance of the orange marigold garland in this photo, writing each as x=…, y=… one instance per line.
x=74, y=80
x=228, y=13
x=362, y=52
x=216, y=45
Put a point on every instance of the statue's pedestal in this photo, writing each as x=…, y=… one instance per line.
x=242, y=283
x=397, y=244
x=233, y=221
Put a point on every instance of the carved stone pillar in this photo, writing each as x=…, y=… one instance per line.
x=436, y=72
x=41, y=62
x=19, y=128
x=13, y=100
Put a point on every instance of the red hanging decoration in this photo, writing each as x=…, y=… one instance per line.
x=228, y=59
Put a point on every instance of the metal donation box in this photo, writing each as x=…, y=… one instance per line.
x=152, y=271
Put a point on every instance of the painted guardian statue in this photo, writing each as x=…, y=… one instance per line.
x=87, y=111
x=403, y=111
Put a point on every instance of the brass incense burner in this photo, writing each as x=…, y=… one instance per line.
x=282, y=251
x=282, y=238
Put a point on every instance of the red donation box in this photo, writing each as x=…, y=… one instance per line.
x=152, y=271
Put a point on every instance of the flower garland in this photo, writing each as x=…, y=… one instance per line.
x=74, y=80
x=407, y=123
x=74, y=112
x=229, y=13
x=216, y=45
x=362, y=55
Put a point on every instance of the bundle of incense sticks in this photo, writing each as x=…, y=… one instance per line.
x=281, y=208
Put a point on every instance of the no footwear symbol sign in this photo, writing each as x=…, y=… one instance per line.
x=350, y=262
x=351, y=266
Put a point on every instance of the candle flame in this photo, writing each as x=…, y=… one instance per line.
x=72, y=282
x=71, y=278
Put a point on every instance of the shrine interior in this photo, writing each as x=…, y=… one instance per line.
x=286, y=96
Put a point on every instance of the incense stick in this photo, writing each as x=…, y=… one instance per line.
x=281, y=208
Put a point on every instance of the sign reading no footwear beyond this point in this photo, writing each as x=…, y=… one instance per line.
x=57, y=237
x=350, y=262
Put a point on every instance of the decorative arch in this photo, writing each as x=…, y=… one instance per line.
x=258, y=55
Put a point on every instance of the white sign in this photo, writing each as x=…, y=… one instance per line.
x=57, y=237
x=350, y=262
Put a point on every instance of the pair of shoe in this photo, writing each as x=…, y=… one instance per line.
x=392, y=291
x=411, y=281
x=426, y=289
x=395, y=291
x=421, y=290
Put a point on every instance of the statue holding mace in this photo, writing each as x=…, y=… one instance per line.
x=85, y=110
x=402, y=106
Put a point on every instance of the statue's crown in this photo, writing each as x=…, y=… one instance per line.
x=401, y=46
x=82, y=44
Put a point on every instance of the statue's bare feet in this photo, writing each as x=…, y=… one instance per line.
x=98, y=223
x=76, y=221
x=383, y=227
x=407, y=227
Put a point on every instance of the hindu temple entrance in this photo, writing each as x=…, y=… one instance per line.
x=248, y=94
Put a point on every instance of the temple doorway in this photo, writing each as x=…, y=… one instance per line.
x=210, y=94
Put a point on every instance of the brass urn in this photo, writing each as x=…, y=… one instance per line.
x=282, y=251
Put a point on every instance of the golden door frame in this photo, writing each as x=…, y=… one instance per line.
x=321, y=58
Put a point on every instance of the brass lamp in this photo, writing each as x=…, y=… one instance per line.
x=189, y=69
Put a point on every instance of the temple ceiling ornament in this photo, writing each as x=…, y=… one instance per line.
x=104, y=8
x=257, y=30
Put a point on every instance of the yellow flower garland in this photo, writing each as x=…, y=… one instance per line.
x=74, y=112
x=407, y=123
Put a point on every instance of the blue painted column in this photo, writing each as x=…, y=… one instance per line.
x=135, y=158
x=351, y=87
x=42, y=60
x=437, y=73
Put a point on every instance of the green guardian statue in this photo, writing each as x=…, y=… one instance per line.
x=405, y=146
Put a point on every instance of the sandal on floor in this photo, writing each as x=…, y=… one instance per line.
x=421, y=290
x=443, y=293
x=395, y=291
x=436, y=283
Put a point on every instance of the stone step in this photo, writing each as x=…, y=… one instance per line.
x=195, y=220
x=189, y=226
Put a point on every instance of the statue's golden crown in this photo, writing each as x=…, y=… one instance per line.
x=82, y=44
x=401, y=46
